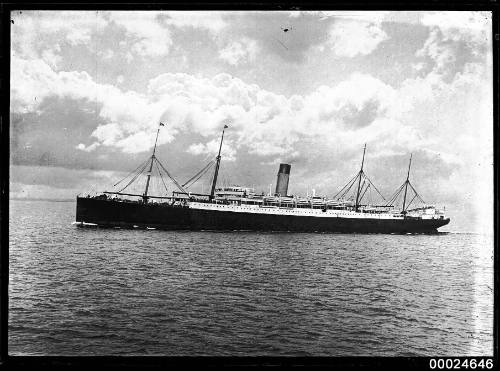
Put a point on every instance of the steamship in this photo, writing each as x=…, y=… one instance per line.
x=241, y=208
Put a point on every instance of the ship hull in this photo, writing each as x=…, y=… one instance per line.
x=109, y=213
x=222, y=220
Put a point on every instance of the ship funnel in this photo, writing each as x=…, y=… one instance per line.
x=282, y=181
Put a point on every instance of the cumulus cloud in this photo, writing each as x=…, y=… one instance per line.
x=149, y=32
x=264, y=122
x=349, y=38
x=269, y=124
x=88, y=148
x=455, y=55
x=354, y=33
x=212, y=147
x=52, y=57
x=475, y=21
x=128, y=113
x=238, y=52
x=149, y=38
x=455, y=39
x=31, y=31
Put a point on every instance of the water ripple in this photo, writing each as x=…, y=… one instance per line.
x=113, y=292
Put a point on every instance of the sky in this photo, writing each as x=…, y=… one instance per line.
x=89, y=88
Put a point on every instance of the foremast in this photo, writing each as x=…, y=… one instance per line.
x=216, y=173
x=360, y=174
x=406, y=184
x=145, y=195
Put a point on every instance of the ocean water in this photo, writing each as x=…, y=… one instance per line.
x=79, y=291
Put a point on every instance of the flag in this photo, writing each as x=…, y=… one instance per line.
x=162, y=124
x=225, y=126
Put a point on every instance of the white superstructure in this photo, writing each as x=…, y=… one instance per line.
x=239, y=199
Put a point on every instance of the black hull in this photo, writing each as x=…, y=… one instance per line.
x=108, y=213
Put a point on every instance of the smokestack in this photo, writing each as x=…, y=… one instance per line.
x=282, y=181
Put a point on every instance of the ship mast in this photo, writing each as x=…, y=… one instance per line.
x=406, y=183
x=145, y=195
x=403, y=189
x=216, y=173
x=360, y=174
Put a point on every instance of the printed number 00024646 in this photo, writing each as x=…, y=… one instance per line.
x=456, y=363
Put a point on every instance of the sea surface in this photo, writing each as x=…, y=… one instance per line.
x=81, y=291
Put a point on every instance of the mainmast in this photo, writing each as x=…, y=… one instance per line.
x=360, y=174
x=145, y=195
x=406, y=183
x=212, y=192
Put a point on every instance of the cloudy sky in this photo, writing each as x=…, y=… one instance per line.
x=88, y=90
